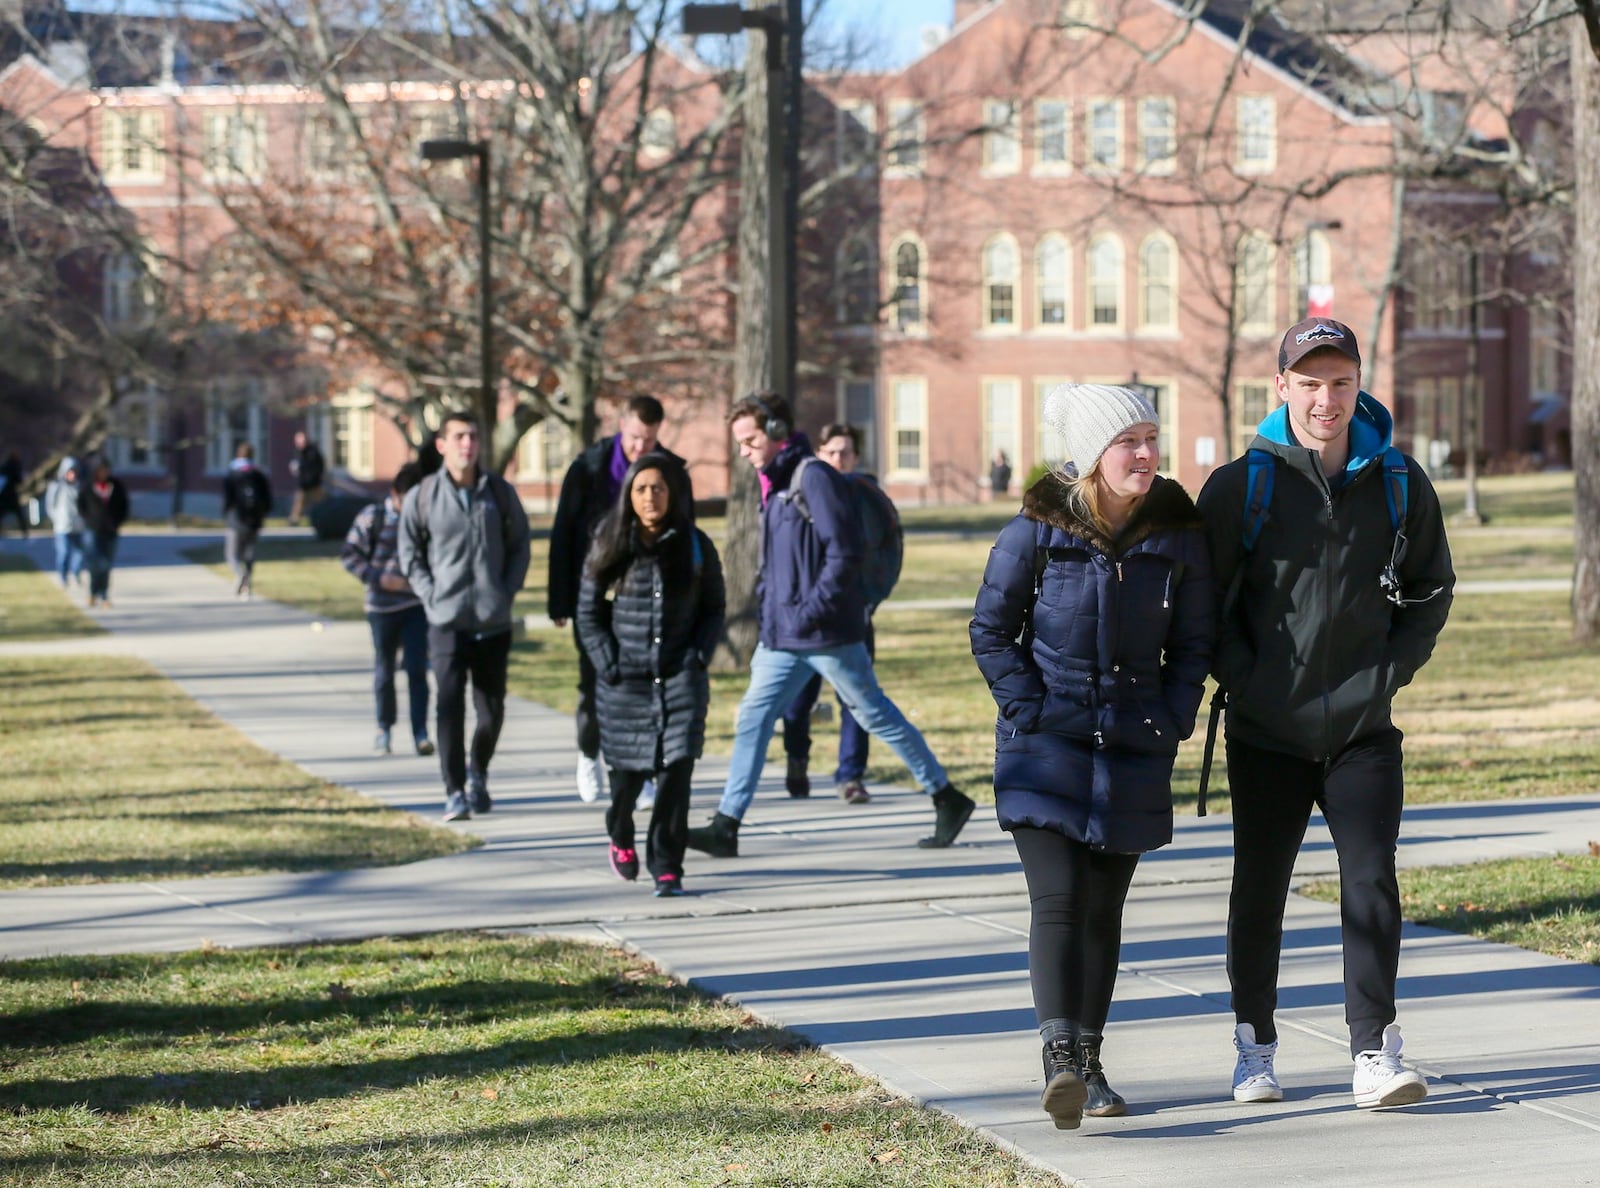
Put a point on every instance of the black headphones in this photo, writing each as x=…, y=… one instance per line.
x=776, y=426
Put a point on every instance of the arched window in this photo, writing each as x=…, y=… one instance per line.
x=1254, y=263
x=1158, y=283
x=910, y=285
x=1051, y=282
x=1104, y=289
x=1000, y=282
x=857, y=283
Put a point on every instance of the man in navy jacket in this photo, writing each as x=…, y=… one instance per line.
x=813, y=619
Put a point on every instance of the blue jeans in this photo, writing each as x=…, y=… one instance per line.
x=776, y=676
x=99, y=555
x=404, y=631
x=854, y=742
x=69, y=555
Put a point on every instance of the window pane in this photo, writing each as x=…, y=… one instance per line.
x=1051, y=129
x=1052, y=282
x=908, y=286
x=1105, y=134
x=1156, y=264
x=1105, y=282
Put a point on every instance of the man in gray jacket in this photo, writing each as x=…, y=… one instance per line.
x=464, y=550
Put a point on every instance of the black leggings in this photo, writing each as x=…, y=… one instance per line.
x=1076, y=932
x=667, y=835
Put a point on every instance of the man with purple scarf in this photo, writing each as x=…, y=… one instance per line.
x=588, y=492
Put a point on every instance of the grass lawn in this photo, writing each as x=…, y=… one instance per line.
x=33, y=606
x=113, y=773
x=1550, y=905
x=448, y=1059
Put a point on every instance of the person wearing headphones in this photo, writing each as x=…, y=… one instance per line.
x=813, y=618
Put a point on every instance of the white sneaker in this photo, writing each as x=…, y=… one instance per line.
x=1381, y=1080
x=591, y=778
x=1253, y=1078
x=647, y=795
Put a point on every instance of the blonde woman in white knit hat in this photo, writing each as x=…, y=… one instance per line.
x=1093, y=631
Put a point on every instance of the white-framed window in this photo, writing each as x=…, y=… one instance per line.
x=1078, y=18
x=1002, y=146
x=137, y=438
x=1253, y=399
x=1102, y=136
x=545, y=452
x=856, y=135
x=1158, y=134
x=133, y=145
x=1000, y=283
x=856, y=282
x=235, y=143
x=127, y=293
x=345, y=433
x=236, y=411
x=1311, y=265
x=1255, y=264
x=1002, y=418
x=906, y=138
x=332, y=155
x=1158, y=283
x=1103, y=283
x=1439, y=278
x=910, y=299
x=1050, y=447
x=858, y=405
x=908, y=426
x=1257, y=136
x=1052, y=136
x=659, y=136
x=1052, y=282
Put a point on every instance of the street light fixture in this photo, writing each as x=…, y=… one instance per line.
x=455, y=150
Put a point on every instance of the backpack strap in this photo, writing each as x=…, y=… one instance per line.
x=1258, y=497
x=1396, y=487
x=795, y=493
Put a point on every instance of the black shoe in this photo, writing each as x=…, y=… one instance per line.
x=720, y=839
x=951, y=810
x=1064, y=1090
x=797, y=781
x=1103, y=1101
x=478, y=793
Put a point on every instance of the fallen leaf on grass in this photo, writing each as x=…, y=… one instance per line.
x=379, y=1169
x=733, y=1167
x=827, y=1128
x=490, y=1095
x=1594, y=849
x=891, y=1156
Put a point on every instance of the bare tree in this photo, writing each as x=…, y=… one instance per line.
x=1586, y=322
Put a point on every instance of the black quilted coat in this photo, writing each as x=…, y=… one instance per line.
x=649, y=634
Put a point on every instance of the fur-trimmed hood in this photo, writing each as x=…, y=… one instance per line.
x=1167, y=507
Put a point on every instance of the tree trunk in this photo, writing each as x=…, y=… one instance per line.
x=1586, y=337
x=754, y=368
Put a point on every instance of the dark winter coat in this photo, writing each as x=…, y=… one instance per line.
x=810, y=590
x=587, y=494
x=309, y=467
x=1312, y=652
x=235, y=502
x=104, y=517
x=649, y=634
x=1109, y=674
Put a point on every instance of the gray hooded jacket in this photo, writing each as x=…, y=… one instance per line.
x=466, y=563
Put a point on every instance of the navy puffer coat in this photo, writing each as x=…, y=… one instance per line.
x=1100, y=676
x=649, y=634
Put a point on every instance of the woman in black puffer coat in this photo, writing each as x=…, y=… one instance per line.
x=650, y=613
x=1093, y=630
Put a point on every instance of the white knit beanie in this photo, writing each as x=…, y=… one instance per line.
x=1089, y=417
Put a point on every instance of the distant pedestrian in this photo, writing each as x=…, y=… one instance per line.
x=103, y=504
x=1330, y=549
x=813, y=619
x=464, y=550
x=246, y=500
x=11, y=492
x=66, y=521
x=309, y=468
x=999, y=473
x=649, y=615
x=371, y=552
x=589, y=493
x=1093, y=630
x=884, y=548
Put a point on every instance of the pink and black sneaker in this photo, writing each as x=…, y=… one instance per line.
x=625, y=863
x=668, y=885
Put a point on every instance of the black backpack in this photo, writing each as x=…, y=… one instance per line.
x=247, y=497
x=884, y=544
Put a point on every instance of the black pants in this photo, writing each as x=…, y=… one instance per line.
x=668, y=834
x=456, y=655
x=588, y=717
x=1360, y=792
x=1075, y=934
x=239, y=549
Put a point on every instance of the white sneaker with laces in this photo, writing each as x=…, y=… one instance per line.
x=1253, y=1076
x=1380, y=1078
x=647, y=795
x=590, y=779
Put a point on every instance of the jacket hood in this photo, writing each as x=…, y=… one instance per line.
x=1371, y=431
x=66, y=465
x=1168, y=506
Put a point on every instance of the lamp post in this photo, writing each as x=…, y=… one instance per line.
x=455, y=150
x=783, y=29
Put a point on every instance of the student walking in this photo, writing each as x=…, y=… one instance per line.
x=246, y=500
x=103, y=504
x=464, y=550
x=371, y=552
x=1331, y=555
x=308, y=467
x=813, y=619
x=649, y=615
x=66, y=521
x=1093, y=630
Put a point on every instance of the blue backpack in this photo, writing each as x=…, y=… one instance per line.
x=881, y=534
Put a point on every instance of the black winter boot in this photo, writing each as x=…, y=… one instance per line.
x=796, y=780
x=950, y=812
x=1104, y=1101
x=720, y=839
x=1064, y=1090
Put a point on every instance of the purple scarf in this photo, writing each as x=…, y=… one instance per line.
x=619, y=468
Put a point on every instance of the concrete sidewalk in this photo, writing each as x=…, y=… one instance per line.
x=909, y=964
